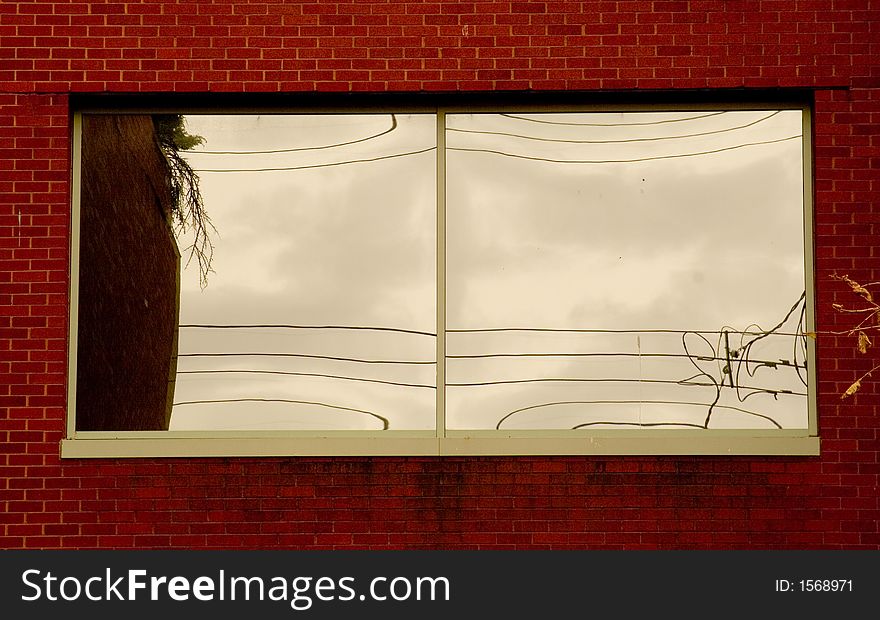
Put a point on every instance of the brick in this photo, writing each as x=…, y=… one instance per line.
x=59, y=49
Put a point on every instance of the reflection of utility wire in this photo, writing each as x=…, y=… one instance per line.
x=303, y=374
x=780, y=362
x=304, y=148
x=559, y=140
x=685, y=382
x=640, y=424
x=326, y=165
x=620, y=161
x=672, y=120
x=610, y=331
x=487, y=329
x=286, y=326
x=634, y=402
x=382, y=419
x=304, y=355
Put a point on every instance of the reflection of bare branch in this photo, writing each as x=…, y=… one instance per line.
x=743, y=354
x=739, y=358
x=716, y=375
x=702, y=373
x=188, y=208
x=190, y=214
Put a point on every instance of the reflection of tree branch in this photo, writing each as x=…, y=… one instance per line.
x=744, y=351
x=702, y=373
x=188, y=211
x=740, y=358
x=190, y=214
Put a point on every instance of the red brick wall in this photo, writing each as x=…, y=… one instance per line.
x=50, y=50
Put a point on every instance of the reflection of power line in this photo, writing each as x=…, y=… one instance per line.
x=326, y=165
x=309, y=356
x=619, y=161
x=288, y=326
x=634, y=402
x=565, y=330
x=652, y=139
x=663, y=122
x=382, y=419
x=303, y=374
x=780, y=362
x=304, y=148
x=640, y=424
x=684, y=382
x=490, y=329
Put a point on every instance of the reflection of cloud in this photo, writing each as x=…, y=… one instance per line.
x=347, y=245
x=406, y=408
x=335, y=253
x=742, y=222
x=696, y=243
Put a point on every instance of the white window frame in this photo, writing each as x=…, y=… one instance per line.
x=443, y=441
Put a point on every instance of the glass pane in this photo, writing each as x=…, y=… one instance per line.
x=626, y=270
x=319, y=309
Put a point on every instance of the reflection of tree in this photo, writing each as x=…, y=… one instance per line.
x=732, y=365
x=741, y=358
x=188, y=208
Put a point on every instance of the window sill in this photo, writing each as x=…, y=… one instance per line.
x=147, y=445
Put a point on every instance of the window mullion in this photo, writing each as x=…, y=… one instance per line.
x=441, y=273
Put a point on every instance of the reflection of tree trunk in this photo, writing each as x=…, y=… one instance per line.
x=129, y=269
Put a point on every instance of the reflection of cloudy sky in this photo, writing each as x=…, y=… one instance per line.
x=688, y=243
x=684, y=243
x=348, y=245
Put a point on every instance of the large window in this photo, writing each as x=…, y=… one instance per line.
x=410, y=281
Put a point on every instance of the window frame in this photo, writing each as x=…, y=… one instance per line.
x=443, y=441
